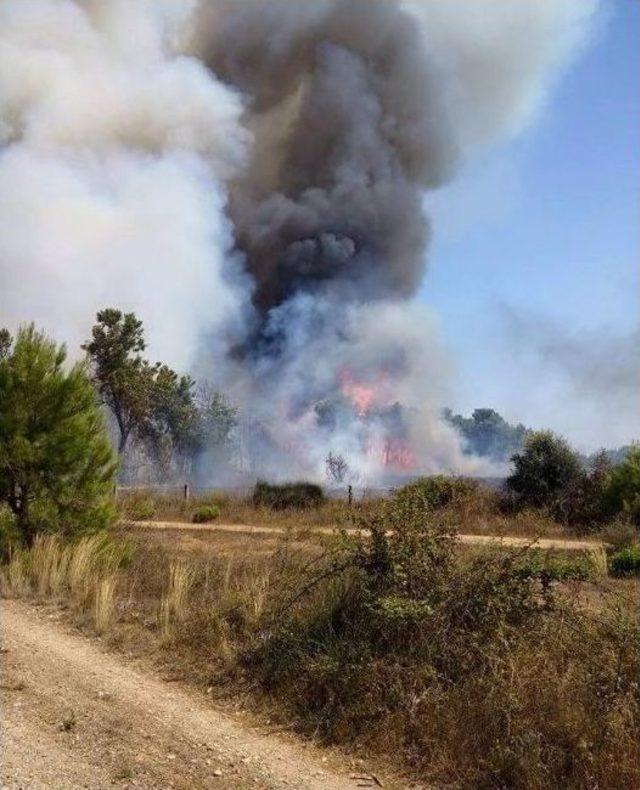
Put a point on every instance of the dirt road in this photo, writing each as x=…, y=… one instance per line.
x=479, y=540
x=74, y=716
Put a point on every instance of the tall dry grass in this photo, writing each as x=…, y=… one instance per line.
x=173, y=606
x=83, y=573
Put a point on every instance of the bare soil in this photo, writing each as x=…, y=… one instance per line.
x=561, y=544
x=75, y=716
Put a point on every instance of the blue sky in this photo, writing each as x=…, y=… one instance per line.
x=540, y=240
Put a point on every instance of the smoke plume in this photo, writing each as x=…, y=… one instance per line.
x=249, y=176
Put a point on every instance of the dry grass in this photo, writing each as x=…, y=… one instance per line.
x=173, y=606
x=82, y=573
x=498, y=683
x=104, y=604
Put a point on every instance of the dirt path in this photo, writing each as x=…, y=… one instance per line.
x=74, y=716
x=479, y=540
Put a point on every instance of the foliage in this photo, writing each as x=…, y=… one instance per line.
x=620, y=534
x=123, y=378
x=490, y=680
x=141, y=509
x=472, y=668
x=170, y=429
x=488, y=434
x=438, y=491
x=205, y=514
x=626, y=562
x=6, y=342
x=178, y=427
x=9, y=534
x=545, y=469
x=622, y=494
x=56, y=464
x=299, y=495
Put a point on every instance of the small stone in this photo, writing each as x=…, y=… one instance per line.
x=217, y=772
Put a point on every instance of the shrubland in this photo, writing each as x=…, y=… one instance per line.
x=469, y=667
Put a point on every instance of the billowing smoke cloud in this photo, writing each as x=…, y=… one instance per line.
x=114, y=156
x=249, y=176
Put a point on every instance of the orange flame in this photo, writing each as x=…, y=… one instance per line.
x=363, y=396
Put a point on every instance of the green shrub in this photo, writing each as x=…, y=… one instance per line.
x=545, y=470
x=299, y=495
x=438, y=491
x=550, y=568
x=141, y=510
x=626, y=562
x=205, y=514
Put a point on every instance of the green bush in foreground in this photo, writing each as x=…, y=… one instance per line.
x=56, y=462
x=287, y=495
x=205, y=514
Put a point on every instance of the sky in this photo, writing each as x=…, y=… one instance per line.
x=534, y=267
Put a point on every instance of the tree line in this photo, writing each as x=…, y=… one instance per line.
x=58, y=466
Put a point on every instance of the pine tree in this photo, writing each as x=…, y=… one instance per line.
x=56, y=463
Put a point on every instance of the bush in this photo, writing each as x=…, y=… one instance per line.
x=626, y=562
x=545, y=470
x=141, y=509
x=287, y=495
x=439, y=491
x=205, y=514
x=471, y=669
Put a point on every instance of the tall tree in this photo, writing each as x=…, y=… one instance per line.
x=123, y=378
x=56, y=463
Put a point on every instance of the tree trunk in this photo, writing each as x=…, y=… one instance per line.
x=24, y=522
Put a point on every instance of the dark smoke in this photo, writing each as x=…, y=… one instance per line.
x=349, y=134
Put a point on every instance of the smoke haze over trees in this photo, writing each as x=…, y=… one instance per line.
x=488, y=434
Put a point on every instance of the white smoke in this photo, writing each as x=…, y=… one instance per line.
x=115, y=151
x=499, y=60
x=118, y=150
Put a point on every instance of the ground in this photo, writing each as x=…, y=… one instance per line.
x=75, y=716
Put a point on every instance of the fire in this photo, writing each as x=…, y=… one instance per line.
x=363, y=396
x=386, y=438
